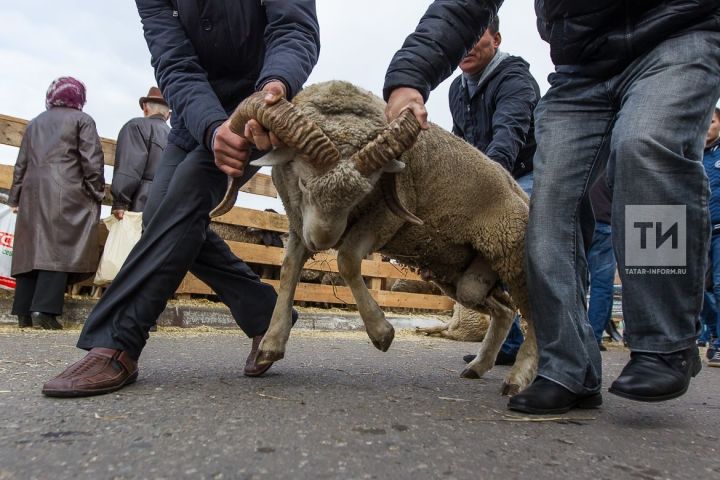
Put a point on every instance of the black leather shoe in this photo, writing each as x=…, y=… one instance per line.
x=45, y=321
x=544, y=397
x=24, y=321
x=602, y=346
x=655, y=377
x=502, y=358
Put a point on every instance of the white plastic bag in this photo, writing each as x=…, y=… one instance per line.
x=7, y=236
x=122, y=237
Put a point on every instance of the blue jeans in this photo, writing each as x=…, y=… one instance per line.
x=515, y=336
x=708, y=319
x=715, y=259
x=647, y=126
x=601, y=262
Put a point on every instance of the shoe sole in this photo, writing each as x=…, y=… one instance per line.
x=89, y=393
x=660, y=398
x=587, y=403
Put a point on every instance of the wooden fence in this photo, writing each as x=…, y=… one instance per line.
x=11, y=132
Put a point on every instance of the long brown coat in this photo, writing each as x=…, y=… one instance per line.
x=58, y=185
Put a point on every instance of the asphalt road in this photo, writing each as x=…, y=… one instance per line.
x=334, y=408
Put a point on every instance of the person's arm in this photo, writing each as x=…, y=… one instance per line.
x=292, y=44
x=183, y=81
x=130, y=162
x=19, y=171
x=92, y=160
x=429, y=55
x=515, y=101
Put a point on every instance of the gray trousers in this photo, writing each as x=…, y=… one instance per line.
x=177, y=239
x=647, y=124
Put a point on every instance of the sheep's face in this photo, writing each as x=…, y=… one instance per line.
x=327, y=201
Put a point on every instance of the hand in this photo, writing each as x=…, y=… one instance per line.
x=118, y=213
x=14, y=209
x=255, y=132
x=231, y=150
x=404, y=98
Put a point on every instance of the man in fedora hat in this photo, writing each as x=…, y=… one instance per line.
x=140, y=145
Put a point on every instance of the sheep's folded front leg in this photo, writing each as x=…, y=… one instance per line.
x=272, y=348
x=350, y=257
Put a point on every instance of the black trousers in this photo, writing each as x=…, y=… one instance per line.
x=39, y=291
x=177, y=239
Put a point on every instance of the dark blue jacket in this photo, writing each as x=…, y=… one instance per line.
x=209, y=55
x=711, y=161
x=596, y=38
x=498, y=119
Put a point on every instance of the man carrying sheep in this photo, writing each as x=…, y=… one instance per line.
x=208, y=56
x=634, y=88
x=492, y=105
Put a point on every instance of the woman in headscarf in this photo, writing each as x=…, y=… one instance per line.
x=57, y=188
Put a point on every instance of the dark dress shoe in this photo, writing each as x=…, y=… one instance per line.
x=602, y=346
x=24, y=321
x=501, y=359
x=252, y=369
x=544, y=397
x=102, y=370
x=45, y=321
x=655, y=377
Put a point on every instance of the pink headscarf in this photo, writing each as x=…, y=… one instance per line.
x=65, y=92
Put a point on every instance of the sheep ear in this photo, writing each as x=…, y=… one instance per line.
x=279, y=156
x=394, y=166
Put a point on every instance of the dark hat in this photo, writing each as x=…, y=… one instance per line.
x=154, y=95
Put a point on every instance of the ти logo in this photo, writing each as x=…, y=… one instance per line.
x=655, y=235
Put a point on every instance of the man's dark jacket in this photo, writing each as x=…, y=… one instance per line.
x=209, y=55
x=140, y=145
x=498, y=118
x=596, y=38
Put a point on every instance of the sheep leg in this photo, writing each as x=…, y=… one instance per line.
x=523, y=372
x=272, y=347
x=350, y=257
x=501, y=318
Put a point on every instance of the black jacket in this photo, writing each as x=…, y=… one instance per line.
x=140, y=145
x=498, y=119
x=209, y=55
x=601, y=37
x=595, y=38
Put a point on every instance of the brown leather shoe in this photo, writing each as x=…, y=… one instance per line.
x=252, y=369
x=102, y=370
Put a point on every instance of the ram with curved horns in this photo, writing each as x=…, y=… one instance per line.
x=428, y=199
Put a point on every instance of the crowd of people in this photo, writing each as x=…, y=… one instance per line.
x=614, y=145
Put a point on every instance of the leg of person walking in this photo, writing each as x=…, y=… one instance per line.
x=656, y=167
x=573, y=121
x=601, y=262
x=24, y=290
x=189, y=186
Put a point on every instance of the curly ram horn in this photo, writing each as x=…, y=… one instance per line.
x=290, y=126
x=399, y=136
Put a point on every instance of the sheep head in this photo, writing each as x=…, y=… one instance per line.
x=330, y=185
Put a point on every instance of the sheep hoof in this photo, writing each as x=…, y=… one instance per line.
x=510, y=389
x=265, y=357
x=383, y=343
x=470, y=373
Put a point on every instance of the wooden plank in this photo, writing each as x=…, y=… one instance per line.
x=13, y=128
x=255, y=218
x=376, y=283
x=307, y=292
x=324, y=261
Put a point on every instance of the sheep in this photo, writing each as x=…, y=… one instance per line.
x=429, y=200
x=466, y=325
x=415, y=286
